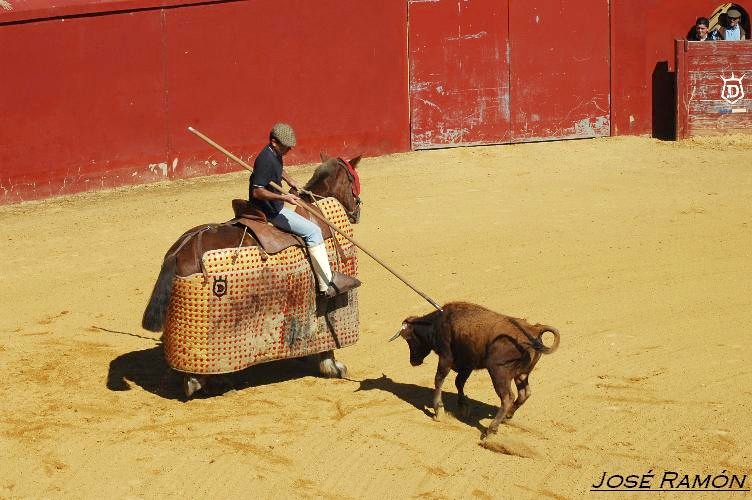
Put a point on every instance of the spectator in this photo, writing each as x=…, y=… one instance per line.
x=700, y=32
x=732, y=30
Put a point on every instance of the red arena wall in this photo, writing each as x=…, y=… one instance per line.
x=99, y=93
x=92, y=101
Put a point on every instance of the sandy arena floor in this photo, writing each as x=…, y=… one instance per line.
x=639, y=251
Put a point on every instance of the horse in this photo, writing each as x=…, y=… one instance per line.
x=333, y=178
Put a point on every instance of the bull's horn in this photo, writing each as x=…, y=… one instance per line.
x=398, y=332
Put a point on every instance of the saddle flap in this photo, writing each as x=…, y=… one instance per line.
x=271, y=239
x=244, y=210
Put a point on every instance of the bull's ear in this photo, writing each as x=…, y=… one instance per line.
x=323, y=157
x=354, y=162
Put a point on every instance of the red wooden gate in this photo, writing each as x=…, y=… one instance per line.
x=560, y=71
x=714, y=88
x=491, y=71
x=459, y=72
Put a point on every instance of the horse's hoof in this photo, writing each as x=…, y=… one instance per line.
x=332, y=369
x=191, y=385
x=341, y=369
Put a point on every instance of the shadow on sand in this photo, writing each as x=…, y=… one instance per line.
x=420, y=397
x=147, y=369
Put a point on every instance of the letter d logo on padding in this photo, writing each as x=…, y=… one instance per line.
x=733, y=90
x=220, y=286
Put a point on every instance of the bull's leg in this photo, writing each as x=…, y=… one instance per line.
x=459, y=382
x=441, y=372
x=502, y=382
x=330, y=367
x=523, y=393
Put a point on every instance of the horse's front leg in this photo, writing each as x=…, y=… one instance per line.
x=330, y=367
x=193, y=384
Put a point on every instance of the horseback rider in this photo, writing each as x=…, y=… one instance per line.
x=269, y=168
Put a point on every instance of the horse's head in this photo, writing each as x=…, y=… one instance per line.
x=338, y=178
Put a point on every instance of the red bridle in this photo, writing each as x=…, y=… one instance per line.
x=354, y=175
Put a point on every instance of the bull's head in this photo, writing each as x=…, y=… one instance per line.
x=417, y=334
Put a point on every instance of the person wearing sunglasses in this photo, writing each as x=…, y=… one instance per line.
x=733, y=29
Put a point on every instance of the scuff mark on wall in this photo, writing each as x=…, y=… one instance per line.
x=418, y=86
x=480, y=34
x=504, y=104
x=592, y=127
x=153, y=167
x=174, y=164
x=450, y=135
x=426, y=101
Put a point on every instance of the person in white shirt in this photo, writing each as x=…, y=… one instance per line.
x=733, y=29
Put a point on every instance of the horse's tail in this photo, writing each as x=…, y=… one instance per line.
x=156, y=309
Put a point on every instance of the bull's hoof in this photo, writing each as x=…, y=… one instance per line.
x=491, y=430
x=191, y=385
x=464, y=410
x=438, y=412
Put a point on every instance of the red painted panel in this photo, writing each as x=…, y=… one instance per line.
x=334, y=69
x=459, y=72
x=26, y=10
x=82, y=104
x=716, y=84
x=560, y=69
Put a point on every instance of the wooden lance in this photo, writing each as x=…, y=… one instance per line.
x=313, y=212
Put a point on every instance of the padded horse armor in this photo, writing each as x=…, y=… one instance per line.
x=251, y=305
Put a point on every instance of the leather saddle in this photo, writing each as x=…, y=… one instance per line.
x=271, y=239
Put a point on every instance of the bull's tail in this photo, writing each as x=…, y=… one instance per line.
x=554, y=346
x=156, y=309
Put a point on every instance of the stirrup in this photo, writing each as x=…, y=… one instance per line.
x=341, y=283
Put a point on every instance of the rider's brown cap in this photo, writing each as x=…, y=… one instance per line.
x=284, y=134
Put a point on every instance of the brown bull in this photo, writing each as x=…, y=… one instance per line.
x=469, y=337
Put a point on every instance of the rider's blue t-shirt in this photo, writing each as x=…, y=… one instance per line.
x=266, y=168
